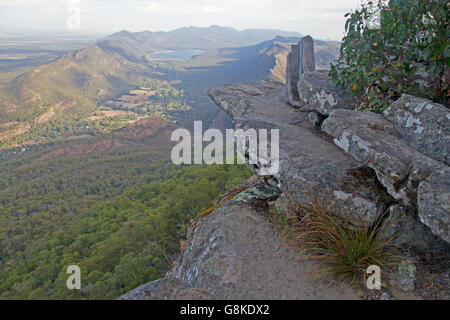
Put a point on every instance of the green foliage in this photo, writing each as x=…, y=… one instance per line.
x=341, y=250
x=380, y=65
x=118, y=215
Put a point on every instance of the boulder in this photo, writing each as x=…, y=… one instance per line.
x=423, y=124
x=299, y=61
x=371, y=139
x=434, y=203
x=318, y=93
x=415, y=180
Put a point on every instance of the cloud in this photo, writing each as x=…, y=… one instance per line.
x=213, y=9
x=152, y=7
x=29, y=2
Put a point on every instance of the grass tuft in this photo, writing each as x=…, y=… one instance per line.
x=341, y=249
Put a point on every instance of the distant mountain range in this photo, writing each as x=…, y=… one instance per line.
x=197, y=38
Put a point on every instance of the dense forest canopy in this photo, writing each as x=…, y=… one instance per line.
x=114, y=205
x=120, y=220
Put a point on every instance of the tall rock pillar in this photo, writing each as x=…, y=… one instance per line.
x=299, y=61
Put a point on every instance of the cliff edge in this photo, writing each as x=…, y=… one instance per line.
x=361, y=164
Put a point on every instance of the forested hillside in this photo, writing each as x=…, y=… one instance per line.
x=116, y=206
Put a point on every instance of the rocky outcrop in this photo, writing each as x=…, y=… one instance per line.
x=299, y=61
x=377, y=169
x=312, y=90
x=370, y=139
x=310, y=164
x=400, y=157
x=390, y=148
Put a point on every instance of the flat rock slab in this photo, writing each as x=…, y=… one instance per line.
x=310, y=164
x=263, y=101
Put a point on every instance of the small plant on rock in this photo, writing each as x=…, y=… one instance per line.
x=342, y=250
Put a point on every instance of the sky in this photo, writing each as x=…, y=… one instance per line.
x=322, y=19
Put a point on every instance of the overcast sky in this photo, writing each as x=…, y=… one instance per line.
x=320, y=18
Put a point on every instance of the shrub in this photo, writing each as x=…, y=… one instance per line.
x=380, y=64
x=342, y=250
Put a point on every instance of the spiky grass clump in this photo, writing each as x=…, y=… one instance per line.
x=342, y=250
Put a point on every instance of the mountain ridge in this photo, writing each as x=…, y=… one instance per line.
x=200, y=38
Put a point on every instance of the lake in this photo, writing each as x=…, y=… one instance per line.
x=175, y=55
